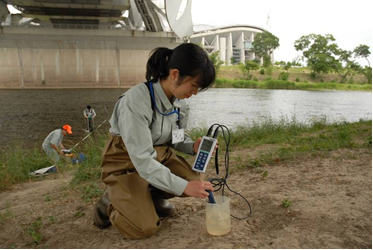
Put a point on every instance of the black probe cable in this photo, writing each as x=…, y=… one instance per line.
x=221, y=183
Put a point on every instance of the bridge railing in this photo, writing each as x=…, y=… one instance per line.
x=66, y=26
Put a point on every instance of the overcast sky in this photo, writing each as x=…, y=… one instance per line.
x=350, y=22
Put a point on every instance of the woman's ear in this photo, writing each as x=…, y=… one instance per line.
x=174, y=73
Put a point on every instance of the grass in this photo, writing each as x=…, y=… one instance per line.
x=6, y=215
x=299, y=78
x=34, y=231
x=17, y=162
x=280, y=84
x=289, y=139
x=294, y=140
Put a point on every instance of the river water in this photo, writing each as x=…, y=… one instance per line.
x=28, y=116
x=233, y=107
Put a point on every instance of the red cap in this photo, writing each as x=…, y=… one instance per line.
x=67, y=128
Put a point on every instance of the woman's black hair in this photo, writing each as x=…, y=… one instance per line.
x=89, y=107
x=190, y=59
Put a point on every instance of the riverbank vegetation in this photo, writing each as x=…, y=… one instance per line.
x=328, y=66
x=297, y=78
x=288, y=140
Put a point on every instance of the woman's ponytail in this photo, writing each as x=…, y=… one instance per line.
x=157, y=67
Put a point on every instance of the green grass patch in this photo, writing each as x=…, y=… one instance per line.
x=90, y=169
x=294, y=140
x=280, y=84
x=17, y=163
x=34, y=231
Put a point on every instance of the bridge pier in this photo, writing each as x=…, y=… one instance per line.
x=57, y=58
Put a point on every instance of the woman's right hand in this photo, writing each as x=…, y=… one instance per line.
x=198, y=189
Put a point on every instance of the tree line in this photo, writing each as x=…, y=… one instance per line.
x=321, y=54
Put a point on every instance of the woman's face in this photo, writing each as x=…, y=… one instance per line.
x=186, y=88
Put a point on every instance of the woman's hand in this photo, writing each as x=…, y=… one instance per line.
x=196, y=145
x=198, y=189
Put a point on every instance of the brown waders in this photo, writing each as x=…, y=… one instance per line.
x=131, y=208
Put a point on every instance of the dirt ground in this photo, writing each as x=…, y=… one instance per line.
x=331, y=207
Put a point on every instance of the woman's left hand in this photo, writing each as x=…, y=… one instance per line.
x=196, y=145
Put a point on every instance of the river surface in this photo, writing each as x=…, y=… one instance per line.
x=233, y=107
x=28, y=116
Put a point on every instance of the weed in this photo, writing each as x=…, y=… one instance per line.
x=33, y=231
x=286, y=203
x=51, y=219
x=47, y=198
x=255, y=163
x=6, y=215
x=79, y=214
x=90, y=191
x=265, y=174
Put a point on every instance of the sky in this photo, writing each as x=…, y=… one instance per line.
x=350, y=22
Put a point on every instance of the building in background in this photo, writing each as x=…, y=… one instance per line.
x=234, y=43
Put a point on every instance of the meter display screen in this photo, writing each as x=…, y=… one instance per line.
x=206, y=145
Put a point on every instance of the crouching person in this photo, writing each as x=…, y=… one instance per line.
x=52, y=144
x=140, y=167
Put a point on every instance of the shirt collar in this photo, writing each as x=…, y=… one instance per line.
x=162, y=96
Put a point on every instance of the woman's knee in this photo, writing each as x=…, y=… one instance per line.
x=128, y=228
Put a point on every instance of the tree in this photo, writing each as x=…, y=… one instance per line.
x=263, y=46
x=362, y=51
x=214, y=57
x=350, y=66
x=320, y=52
x=367, y=72
x=287, y=66
x=247, y=67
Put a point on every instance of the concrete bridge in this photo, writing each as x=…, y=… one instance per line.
x=100, y=43
x=80, y=43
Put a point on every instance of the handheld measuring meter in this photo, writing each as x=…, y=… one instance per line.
x=66, y=151
x=205, y=150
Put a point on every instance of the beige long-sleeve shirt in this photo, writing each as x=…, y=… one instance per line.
x=141, y=128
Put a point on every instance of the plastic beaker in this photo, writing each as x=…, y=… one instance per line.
x=218, y=216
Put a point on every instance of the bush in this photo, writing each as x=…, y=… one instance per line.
x=283, y=76
x=247, y=67
x=262, y=72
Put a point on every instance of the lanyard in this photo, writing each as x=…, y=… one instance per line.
x=163, y=114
